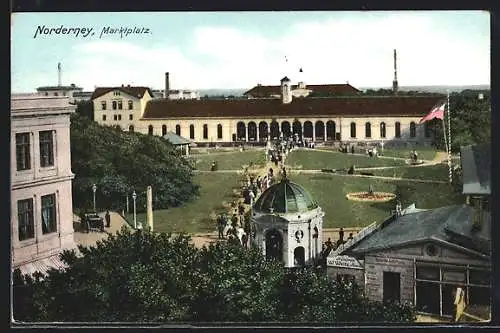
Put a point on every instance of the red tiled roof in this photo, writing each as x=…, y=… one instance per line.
x=267, y=91
x=133, y=91
x=241, y=108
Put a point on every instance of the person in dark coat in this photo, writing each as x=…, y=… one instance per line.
x=247, y=228
x=329, y=243
x=234, y=220
x=241, y=209
x=220, y=226
x=108, y=219
x=341, y=237
x=84, y=223
x=244, y=240
x=101, y=224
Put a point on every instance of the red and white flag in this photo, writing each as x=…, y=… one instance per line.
x=436, y=112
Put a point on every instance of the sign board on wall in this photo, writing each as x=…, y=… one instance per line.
x=344, y=262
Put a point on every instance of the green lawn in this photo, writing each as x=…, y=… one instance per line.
x=423, y=153
x=196, y=216
x=330, y=190
x=228, y=160
x=431, y=172
x=315, y=160
x=204, y=150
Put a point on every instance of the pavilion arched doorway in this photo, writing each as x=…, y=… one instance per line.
x=330, y=130
x=299, y=256
x=285, y=129
x=263, y=131
x=275, y=129
x=252, y=131
x=274, y=245
x=308, y=130
x=297, y=129
x=241, y=131
x=319, y=129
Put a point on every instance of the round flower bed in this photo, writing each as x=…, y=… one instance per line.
x=367, y=197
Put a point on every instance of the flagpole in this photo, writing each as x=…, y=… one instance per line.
x=444, y=135
x=449, y=136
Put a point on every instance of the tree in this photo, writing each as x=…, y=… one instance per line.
x=85, y=109
x=120, y=162
x=157, y=277
x=470, y=120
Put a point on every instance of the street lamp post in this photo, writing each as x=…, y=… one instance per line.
x=94, y=189
x=134, y=196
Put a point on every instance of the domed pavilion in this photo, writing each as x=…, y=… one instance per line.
x=287, y=224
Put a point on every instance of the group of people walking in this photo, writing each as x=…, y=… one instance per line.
x=235, y=229
x=329, y=246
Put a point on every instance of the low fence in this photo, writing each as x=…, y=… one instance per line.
x=333, y=233
x=356, y=238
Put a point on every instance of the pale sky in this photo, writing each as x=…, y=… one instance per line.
x=223, y=50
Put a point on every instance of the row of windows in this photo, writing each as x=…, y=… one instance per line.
x=117, y=117
x=397, y=130
x=26, y=217
x=23, y=150
x=117, y=105
x=191, y=130
x=56, y=93
x=368, y=130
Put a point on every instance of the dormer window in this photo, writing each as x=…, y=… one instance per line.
x=116, y=93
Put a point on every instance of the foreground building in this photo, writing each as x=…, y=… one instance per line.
x=41, y=177
x=423, y=256
x=287, y=224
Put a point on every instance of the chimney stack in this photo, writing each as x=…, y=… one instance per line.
x=59, y=74
x=395, y=81
x=166, y=93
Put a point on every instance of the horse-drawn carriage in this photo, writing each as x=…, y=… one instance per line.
x=92, y=222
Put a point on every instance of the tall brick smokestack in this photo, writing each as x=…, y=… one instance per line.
x=395, y=81
x=167, y=86
x=59, y=74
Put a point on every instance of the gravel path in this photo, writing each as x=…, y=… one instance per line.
x=91, y=238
